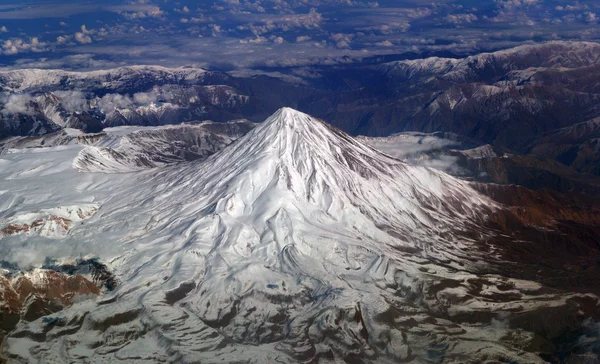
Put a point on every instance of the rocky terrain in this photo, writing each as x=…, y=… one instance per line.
x=523, y=100
x=466, y=158
x=39, y=102
x=502, y=98
x=42, y=292
x=576, y=146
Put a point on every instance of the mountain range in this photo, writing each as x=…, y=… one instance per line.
x=538, y=102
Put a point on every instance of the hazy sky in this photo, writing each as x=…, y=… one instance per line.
x=265, y=34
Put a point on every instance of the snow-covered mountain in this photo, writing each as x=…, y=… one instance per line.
x=122, y=78
x=34, y=115
x=294, y=243
x=37, y=102
x=129, y=148
x=526, y=59
x=126, y=150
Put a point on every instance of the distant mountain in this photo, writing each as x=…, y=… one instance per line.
x=506, y=65
x=37, y=102
x=118, y=80
x=462, y=157
x=577, y=146
x=504, y=98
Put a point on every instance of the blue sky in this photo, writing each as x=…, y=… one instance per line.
x=270, y=34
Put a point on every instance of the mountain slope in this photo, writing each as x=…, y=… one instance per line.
x=577, y=146
x=491, y=66
x=294, y=243
x=143, y=149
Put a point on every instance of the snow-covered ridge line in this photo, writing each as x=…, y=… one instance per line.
x=567, y=54
x=109, y=70
x=128, y=149
x=38, y=76
x=561, y=54
x=22, y=80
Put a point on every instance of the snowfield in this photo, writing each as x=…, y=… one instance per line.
x=295, y=243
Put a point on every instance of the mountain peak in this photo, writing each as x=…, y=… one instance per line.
x=290, y=112
x=291, y=118
x=293, y=158
x=297, y=139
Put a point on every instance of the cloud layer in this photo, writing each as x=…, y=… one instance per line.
x=263, y=34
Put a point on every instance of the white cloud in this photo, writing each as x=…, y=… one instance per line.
x=286, y=22
x=309, y=21
x=109, y=102
x=257, y=40
x=458, y=19
x=83, y=38
x=148, y=12
x=145, y=98
x=511, y=4
x=184, y=10
x=72, y=100
x=590, y=17
x=63, y=39
x=342, y=40
x=198, y=20
x=18, y=104
x=216, y=29
x=385, y=43
x=407, y=145
x=82, y=61
x=18, y=45
x=389, y=28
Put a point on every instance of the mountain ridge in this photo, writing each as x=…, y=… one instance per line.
x=505, y=98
